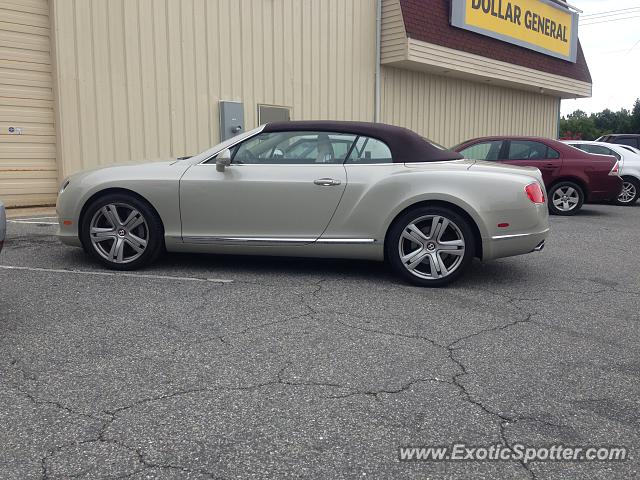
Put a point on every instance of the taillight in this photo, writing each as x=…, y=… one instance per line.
x=534, y=192
x=615, y=171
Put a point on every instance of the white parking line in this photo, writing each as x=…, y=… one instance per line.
x=117, y=274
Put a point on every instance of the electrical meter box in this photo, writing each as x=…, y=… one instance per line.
x=231, y=119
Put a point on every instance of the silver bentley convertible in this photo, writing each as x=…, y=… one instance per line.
x=316, y=189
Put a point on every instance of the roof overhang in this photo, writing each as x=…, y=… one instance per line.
x=402, y=50
x=431, y=58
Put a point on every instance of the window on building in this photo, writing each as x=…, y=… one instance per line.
x=530, y=150
x=369, y=150
x=294, y=148
x=273, y=113
x=483, y=151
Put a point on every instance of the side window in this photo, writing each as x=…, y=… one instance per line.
x=551, y=153
x=295, y=148
x=483, y=151
x=599, y=150
x=530, y=150
x=628, y=141
x=614, y=154
x=579, y=146
x=369, y=150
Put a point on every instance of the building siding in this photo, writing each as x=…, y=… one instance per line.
x=393, y=37
x=449, y=110
x=429, y=22
x=141, y=79
x=28, y=173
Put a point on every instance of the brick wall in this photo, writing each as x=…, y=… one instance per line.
x=428, y=20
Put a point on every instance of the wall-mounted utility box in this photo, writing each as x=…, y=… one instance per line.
x=231, y=119
x=273, y=113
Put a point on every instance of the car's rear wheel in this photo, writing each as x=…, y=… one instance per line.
x=430, y=246
x=122, y=232
x=565, y=198
x=630, y=192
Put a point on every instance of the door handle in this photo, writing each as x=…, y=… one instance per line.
x=327, y=182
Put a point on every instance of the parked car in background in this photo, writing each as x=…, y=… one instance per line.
x=631, y=139
x=3, y=225
x=571, y=176
x=629, y=158
x=630, y=148
x=319, y=189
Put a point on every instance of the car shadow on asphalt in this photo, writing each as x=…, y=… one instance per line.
x=489, y=273
x=497, y=273
x=589, y=212
x=272, y=265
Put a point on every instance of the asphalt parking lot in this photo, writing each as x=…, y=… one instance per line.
x=240, y=367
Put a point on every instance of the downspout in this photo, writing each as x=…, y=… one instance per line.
x=559, y=117
x=376, y=116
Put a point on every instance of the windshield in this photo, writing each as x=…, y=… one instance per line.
x=227, y=143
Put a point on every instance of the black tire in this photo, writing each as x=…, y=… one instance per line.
x=635, y=184
x=153, y=229
x=575, y=207
x=417, y=216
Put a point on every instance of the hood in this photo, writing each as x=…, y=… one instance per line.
x=125, y=166
x=120, y=174
x=159, y=163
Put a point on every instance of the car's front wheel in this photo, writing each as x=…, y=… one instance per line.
x=630, y=192
x=565, y=198
x=122, y=232
x=430, y=246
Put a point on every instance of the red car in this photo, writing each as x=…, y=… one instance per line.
x=571, y=176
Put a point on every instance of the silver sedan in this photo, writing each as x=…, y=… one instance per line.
x=317, y=189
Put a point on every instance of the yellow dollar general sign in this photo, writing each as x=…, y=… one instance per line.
x=540, y=25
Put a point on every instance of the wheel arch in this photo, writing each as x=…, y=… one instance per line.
x=578, y=181
x=441, y=203
x=110, y=191
x=633, y=178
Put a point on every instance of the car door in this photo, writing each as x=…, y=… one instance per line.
x=281, y=188
x=531, y=153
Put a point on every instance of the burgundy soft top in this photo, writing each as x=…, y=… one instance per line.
x=406, y=146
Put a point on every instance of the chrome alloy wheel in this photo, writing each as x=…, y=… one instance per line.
x=118, y=240
x=628, y=193
x=566, y=198
x=431, y=247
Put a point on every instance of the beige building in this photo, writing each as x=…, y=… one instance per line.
x=85, y=83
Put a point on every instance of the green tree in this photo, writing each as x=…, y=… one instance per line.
x=589, y=127
x=605, y=121
x=635, y=117
x=578, y=125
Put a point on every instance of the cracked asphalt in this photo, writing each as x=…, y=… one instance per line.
x=318, y=368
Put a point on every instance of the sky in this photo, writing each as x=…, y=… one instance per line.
x=612, y=49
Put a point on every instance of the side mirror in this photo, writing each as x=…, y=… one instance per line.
x=223, y=160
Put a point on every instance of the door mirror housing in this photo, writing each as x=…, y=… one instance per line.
x=223, y=160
